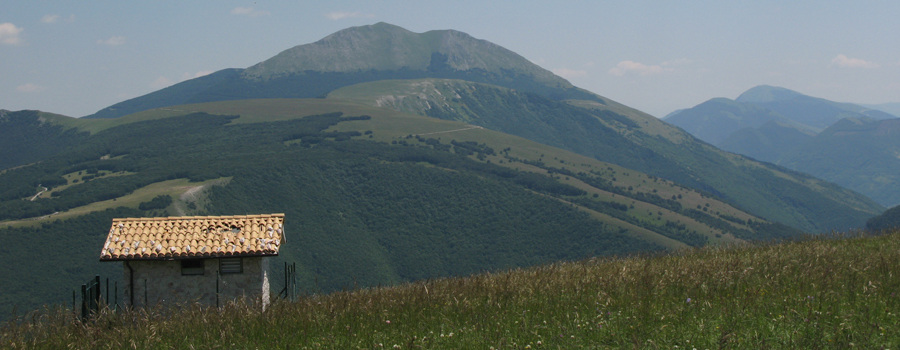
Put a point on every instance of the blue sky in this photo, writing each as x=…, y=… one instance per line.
x=75, y=58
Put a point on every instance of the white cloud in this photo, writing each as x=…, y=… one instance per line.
x=630, y=66
x=50, y=18
x=847, y=62
x=334, y=16
x=29, y=87
x=112, y=41
x=569, y=73
x=187, y=75
x=161, y=82
x=248, y=11
x=9, y=34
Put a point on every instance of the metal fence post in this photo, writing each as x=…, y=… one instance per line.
x=83, y=301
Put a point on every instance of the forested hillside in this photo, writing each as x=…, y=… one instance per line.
x=27, y=137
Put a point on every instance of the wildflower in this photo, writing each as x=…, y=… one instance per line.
x=388, y=321
x=688, y=300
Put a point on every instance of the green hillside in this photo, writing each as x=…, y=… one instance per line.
x=623, y=136
x=767, y=142
x=372, y=196
x=888, y=220
x=817, y=294
x=29, y=136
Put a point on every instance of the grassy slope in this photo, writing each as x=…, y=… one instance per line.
x=828, y=294
x=173, y=188
x=697, y=162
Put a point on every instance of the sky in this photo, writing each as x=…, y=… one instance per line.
x=77, y=57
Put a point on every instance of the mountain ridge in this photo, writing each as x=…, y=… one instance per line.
x=356, y=55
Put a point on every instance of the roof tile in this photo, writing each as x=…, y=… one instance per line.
x=164, y=238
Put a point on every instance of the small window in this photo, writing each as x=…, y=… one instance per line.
x=192, y=267
x=231, y=265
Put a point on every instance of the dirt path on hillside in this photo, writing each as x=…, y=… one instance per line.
x=444, y=132
x=38, y=194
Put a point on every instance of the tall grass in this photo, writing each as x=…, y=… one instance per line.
x=817, y=293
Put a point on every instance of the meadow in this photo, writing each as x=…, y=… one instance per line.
x=828, y=292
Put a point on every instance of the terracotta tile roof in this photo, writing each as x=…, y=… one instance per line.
x=182, y=237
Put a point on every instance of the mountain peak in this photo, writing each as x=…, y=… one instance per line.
x=767, y=93
x=384, y=46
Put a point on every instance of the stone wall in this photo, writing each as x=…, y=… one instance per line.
x=160, y=282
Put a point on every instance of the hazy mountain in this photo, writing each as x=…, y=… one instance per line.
x=862, y=154
x=356, y=55
x=892, y=108
x=844, y=143
x=806, y=110
x=715, y=120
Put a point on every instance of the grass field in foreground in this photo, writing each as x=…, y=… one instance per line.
x=819, y=293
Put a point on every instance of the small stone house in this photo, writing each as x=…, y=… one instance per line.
x=205, y=259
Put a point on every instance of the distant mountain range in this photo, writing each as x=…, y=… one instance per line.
x=396, y=156
x=852, y=145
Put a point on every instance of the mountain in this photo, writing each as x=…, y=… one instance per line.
x=530, y=104
x=715, y=120
x=806, y=110
x=844, y=143
x=356, y=55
